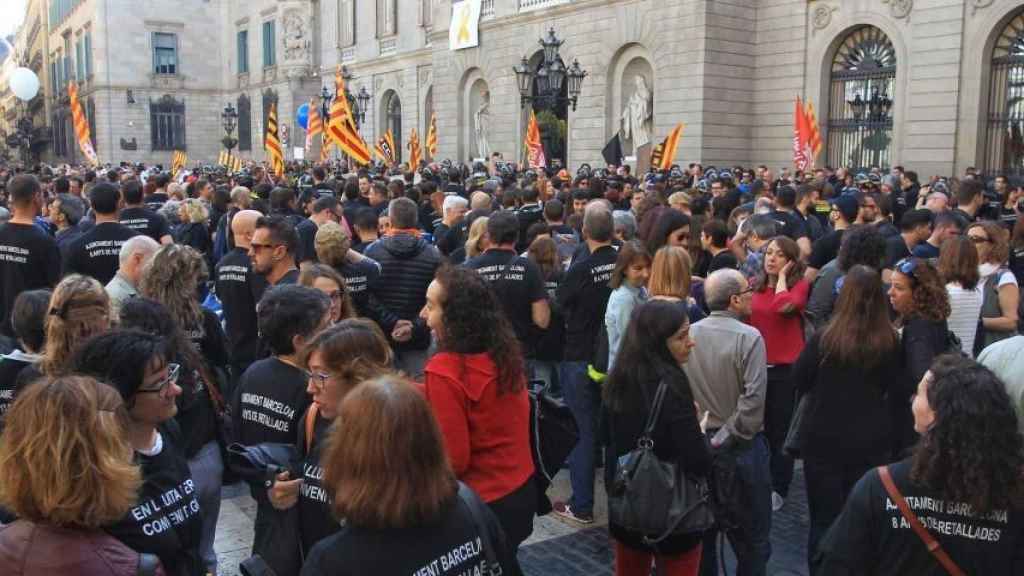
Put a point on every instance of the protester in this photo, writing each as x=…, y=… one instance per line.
x=37, y=264
x=132, y=261
x=671, y=229
x=136, y=364
x=239, y=288
x=194, y=230
x=66, y=213
x=407, y=264
x=999, y=287
x=476, y=386
x=922, y=305
x=846, y=375
x=656, y=346
x=671, y=279
x=66, y=471
x=1004, y=358
x=338, y=360
x=963, y=481
x=324, y=210
x=550, y=343
x=958, y=268
x=330, y=282
x=780, y=296
x=403, y=507
x=334, y=249
x=272, y=250
x=728, y=374
x=28, y=320
x=95, y=252
x=861, y=246
x=138, y=217
x=629, y=289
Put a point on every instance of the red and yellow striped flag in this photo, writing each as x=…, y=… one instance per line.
x=272, y=144
x=414, y=151
x=671, y=144
x=432, y=137
x=81, y=125
x=325, y=146
x=813, y=132
x=534, y=147
x=178, y=161
x=314, y=125
x=385, y=148
x=342, y=127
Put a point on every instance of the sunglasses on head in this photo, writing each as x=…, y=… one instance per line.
x=907, y=266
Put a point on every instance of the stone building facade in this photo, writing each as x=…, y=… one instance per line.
x=937, y=85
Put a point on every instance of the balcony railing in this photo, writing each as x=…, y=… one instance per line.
x=531, y=5
x=487, y=9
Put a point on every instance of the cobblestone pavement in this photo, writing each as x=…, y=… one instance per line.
x=556, y=547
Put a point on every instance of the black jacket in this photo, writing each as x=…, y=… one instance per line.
x=922, y=341
x=408, y=264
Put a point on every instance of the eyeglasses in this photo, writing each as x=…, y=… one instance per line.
x=173, y=370
x=336, y=295
x=978, y=239
x=257, y=247
x=742, y=293
x=318, y=378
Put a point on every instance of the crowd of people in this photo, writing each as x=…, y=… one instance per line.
x=376, y=339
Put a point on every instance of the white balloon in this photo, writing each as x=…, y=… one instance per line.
x=24, y=83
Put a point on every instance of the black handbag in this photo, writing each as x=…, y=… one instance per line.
x=794, y=435
x=657, y=498
x=553, y=435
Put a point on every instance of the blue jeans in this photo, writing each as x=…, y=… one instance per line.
x=207, y=470
x=751, y=540
x=584, y=400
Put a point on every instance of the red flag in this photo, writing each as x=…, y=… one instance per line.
x=813, y=133
x=534, y=147
x=801, y=137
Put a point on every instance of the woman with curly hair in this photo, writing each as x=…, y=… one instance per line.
x=172, y=278
x=476, y=386
x=964, y=481
x=919, y=297
x=337, y=359
x=330, y=282
x=999, y=287
x=777, y=306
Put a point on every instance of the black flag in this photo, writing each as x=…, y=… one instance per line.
x=612, y=152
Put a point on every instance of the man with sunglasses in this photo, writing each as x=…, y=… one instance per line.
x=272, y=250
x=728, y=374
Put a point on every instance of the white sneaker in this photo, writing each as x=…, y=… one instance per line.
x=777, y=501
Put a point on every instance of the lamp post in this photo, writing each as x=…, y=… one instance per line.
x=357, y=103
x=230, y=119
x=550, y=77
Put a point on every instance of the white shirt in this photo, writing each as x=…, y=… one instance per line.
x=966, y=309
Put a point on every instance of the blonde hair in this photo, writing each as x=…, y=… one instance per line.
x=64, y=457
x=670, y=273
x=477, y=233
x=171, y=278
x=79, y=309
x=195, y=211
x=332, y=244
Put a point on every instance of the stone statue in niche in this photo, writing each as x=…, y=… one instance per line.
x=296, y=45
x=637, y=114
x=482, y=125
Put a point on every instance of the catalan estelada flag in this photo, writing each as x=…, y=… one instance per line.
x=432, y=137
x=81, y=125
x=669, y=147
x=342, y=127
x=272, y=144
x=178, y=161
x=534, y=147
x=386, y=148
x=414, y=150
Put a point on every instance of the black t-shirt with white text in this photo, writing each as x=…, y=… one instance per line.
x=269, y=402
x=166, y=520
x=359, y=276
x=239, y=289
x=871, y=536
x=145, y=221
x=29, y=260
x=518, y=284
x=315, y=518
x=96, y=252
x=582, y=297
x=451, y=546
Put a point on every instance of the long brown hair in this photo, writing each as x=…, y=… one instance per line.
x=309, y=272
x=630, y=252
x=998, y=237
x=859, y=334
x=353, y=350
x=958, y=262
x=544, y=253
x=79, y=309
x=670, y=273
x=791, y=251
x=171, y=278
x=386, y=466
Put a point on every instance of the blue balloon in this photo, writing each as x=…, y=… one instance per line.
x=302, y=116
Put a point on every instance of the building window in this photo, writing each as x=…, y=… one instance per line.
x=1004, y=140
x=243, y=51
x=67, y=58
x=269, y=45
x=54, y=80
x=88, y=54
x=244, y=123
x=426, y=13
x=79, y=61
x=386, y=22
x=167, y=123
x=861, y=101
x=165, y=53
x=346, y=23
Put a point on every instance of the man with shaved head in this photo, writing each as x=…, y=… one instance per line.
x=728, y=373
x=239, y=289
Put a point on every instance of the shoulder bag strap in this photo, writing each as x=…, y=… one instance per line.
x=475, y=506
x=310, y=423
x=934, y=547
x=652, y=418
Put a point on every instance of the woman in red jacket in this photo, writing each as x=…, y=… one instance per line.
x=780, y=296
x=477, y=388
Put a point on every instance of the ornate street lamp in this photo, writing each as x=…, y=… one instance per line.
x=550, y=77
x=229, y=117
x=357, y=103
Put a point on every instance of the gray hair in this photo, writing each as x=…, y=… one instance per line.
x=170, y=211
x=72, y=207
x=625, y=221
x=137, y=244
x=763, y=226
x=403, y=213
x=242, y=197
x=597, y=222
x=453, y=201
x=720, y=286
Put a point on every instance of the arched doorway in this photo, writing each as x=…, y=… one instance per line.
x=392, y=120
x=553, y=117
x=1004, y=139
x=861, y=98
